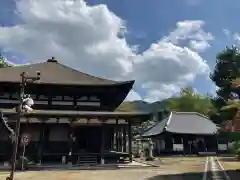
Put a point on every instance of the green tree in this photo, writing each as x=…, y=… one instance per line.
x=226, y=70
x=126, y=107
x=3, y=63
x=189, y=101
x=232, y=106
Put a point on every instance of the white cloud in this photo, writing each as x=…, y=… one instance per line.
x=227, y=32
x=234, y=36
x=91, y=39
x=191, y=31
x=133, y=96
x=199, y=45
x=165, y=67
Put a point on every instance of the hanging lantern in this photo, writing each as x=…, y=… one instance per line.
x=27, y=103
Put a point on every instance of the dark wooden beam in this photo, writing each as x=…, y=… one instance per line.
x=41, y=142
x=103, y=142
x=124, y=138
x=117, y=136
x=130, y=141
x=70, y=141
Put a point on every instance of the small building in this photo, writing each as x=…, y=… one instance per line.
x=184, y=133
x=74, y=115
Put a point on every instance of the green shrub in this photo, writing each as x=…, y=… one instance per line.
x=19, y=164
x=26, y=162
x=234, y=147
x=238, y=153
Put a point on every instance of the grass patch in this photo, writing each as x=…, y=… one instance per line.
x=229, y=163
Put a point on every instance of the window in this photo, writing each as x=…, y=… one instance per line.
x=177, y=140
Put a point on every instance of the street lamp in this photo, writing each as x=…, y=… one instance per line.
x=25, y=103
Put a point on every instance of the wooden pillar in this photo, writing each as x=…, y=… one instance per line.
x=122, y=142
x=117, y=136
x=114, y=138
x=71, y=139
x=130, y=140
x=41, y=142
x=103, y=142
x=124, y=139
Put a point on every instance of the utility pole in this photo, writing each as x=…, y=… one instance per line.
x=17, y=127
x=24, y=80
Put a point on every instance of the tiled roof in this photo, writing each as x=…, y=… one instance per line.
x=183, y=123
x=53, y=72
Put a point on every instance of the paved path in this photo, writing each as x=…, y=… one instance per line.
x=214, y=170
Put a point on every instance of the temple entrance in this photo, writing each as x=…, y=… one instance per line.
x=88, y=139
x=211, y=143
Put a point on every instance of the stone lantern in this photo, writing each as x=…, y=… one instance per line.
x=150, y=151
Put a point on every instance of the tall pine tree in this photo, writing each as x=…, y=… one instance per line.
x=226, y=69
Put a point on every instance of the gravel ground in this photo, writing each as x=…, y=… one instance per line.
x=125, y=174
x=172, y=169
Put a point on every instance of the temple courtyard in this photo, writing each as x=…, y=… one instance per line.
x=170, y=168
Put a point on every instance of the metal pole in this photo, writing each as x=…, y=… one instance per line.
x=17, y=127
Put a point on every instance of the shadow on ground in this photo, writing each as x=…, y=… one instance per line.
x=233, y=174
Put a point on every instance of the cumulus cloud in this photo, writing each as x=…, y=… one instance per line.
x=199, y=45
x=133, y=96
x=91, y=39
x=232, y=35
x=190, y=31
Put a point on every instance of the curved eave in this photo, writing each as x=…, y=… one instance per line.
x=119, y=93
x=115, y=83
x=124, y=89
x=127, y=85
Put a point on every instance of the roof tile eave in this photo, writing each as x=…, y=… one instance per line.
x=47, y=66
x=75, y=83
x=86, y=74
x=197, y=113
x=195, y=133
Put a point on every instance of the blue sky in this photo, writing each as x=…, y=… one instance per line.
x=149, y=21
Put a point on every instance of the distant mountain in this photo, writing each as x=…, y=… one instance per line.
x=143, y=106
